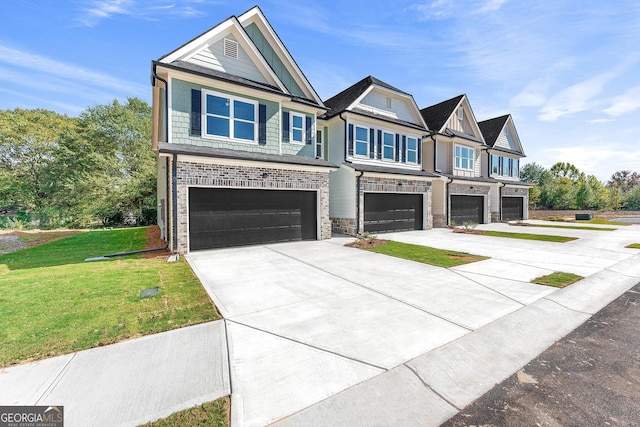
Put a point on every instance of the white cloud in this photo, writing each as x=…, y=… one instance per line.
x=491, y=5
x=437, y=9
x=575, y=98
x=625, y=103
x=148, y=10
x=104, y=9
x=46, y=66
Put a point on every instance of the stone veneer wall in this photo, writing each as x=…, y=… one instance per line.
x=439, y=221
x=394, y=185
x=192, y=174
x=456, y=189
x=343, y=226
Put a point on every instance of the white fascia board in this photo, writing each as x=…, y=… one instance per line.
x=298, y=106
x=515, y=133
x=252, y=163
x=255, y=15
x=371, y=121
x=219, y=84
x=230, y=26
x=473, y=116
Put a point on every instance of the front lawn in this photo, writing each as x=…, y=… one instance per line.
x=527, y=236
x=633, y=246
x=569, y=227
x=55, y=303
x=209, y=414
x=425, y=254
x=557, y=279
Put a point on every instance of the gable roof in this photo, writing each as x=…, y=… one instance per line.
x=236, y=26
x=346, y=99
x=492, y=128
x=437, y=115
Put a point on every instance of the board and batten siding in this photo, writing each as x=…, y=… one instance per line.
x=461, y=126
x=213, y=57
x=378, y=102
x=274, y=61
x=181, y=122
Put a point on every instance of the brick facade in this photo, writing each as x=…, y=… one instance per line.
x=384, y=185
x=190, y=174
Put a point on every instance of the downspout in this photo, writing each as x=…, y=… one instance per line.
x=502, y=185
x=435, y=152
x=447, y=196
x=174, y=200
x=155, y=76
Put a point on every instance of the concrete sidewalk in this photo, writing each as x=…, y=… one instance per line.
x=128, y=383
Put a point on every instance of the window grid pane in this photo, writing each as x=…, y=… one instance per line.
x=244, y=111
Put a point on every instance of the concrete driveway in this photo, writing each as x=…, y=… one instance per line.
x=319, y=333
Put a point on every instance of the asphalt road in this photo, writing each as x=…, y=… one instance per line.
x=589, y=378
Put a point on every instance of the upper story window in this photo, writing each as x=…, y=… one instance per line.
x=505, y=166
x=362, y=141
x=506, y=162
x=495, y=164
x=297, y=128
x=464, y=157
x=388, y=146
x=229, y=117
x=412, y=150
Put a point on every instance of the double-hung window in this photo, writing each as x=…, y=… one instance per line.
x=505, y=166
x=388, y=146
x=464, y=157
x=297, y=128
x=516, y=168
x=362, y=141
x=229, y=117
x=412, y=150
x=495, y=164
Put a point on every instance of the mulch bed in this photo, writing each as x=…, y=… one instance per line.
x=366, y=243
x=155, y=241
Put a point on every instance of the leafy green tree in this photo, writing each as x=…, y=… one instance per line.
x=534, y=173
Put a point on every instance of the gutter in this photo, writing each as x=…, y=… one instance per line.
x=174, y=202
x=154, y=77
x=435, y=151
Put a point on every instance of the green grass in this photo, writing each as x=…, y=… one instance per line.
x=603, y=221
x=528, y=236
x=557, y=279
x=210, y=414
x=52, y=302
x=425, y=254
x=633, y=246
x=570, y=227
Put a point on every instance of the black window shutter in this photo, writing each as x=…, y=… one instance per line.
x=403, y=151
x=196, y=112
x=397, y=147
x=350, y=139
x=308, y=125
x=379, y=154
x=262, y=124
x=372, y=143
x=285, y=126
x=419, y=151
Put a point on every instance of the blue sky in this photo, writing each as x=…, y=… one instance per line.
x=568, y=71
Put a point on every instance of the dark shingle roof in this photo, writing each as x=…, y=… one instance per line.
x=385, y=169
x=436, y=115
x=222, y=153
x=491, y=128
x=340, y=102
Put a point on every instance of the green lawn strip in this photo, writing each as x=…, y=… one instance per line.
x=209, y=414
x=53, y=310
x=602, y=221
x=570, y=227
x=528, y=236
x=76, y=248
x=633, y=246
x=557, y=279
x=426, y=255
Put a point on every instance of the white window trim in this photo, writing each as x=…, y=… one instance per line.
x=406, y=154
x=393, y=149
x=355, y=141
x=231, y=119
x=304, y=128
x=473, y=157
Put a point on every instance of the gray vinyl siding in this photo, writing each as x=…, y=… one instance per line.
x=213, y=57
x=274, y=61
x=506, y=140
x=181, y=121
x=445, y=157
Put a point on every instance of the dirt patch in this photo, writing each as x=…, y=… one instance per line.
x=463, y=231
x=155, y=241
x=13, y=241
x=366, y=243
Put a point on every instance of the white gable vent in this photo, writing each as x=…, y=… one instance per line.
x=460, y=113
x=231, y=48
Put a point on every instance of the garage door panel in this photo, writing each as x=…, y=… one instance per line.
x=467, y=209
x=392, y=212
x=512, y=208
x=233, y=217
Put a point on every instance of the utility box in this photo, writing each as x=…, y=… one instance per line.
x=584, y=216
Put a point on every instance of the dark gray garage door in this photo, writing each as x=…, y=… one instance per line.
x=392, y=212
x=221, y=217
x=512, y=208
x=467, y=209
